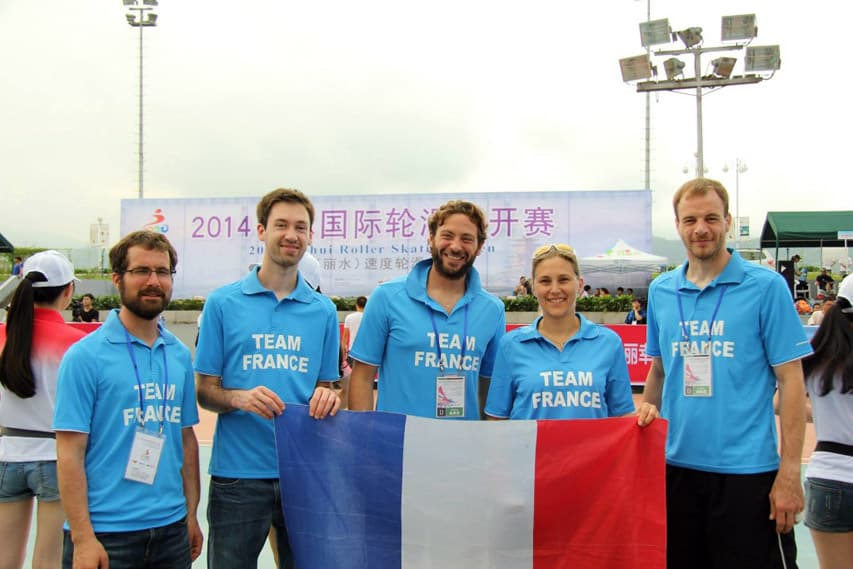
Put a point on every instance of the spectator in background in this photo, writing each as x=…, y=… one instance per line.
x=17, y=266
x=349, y=332
x=802, y=306
x=637, y=315
x=351, y=324
x=788, y=271
x=829, y=476
x=629, y=292
x=620, y=291
x=521, y=287
x=820, y=311
x=87, y=312
x=824, y=280
x=587, y=291
x=605, y=291
x=31, y=346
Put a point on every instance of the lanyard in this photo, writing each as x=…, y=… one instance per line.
x=438, y=344
x=681, y=309
x=139, y=383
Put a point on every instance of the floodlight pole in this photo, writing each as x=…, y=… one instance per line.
x=142, y=18
x=141, y=122
x=700, y=147
x=740, y=167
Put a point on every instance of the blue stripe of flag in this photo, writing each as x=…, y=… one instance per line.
x=362, y=460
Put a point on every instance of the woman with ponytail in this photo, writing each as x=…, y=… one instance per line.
x=31, y=346
x=829, y=475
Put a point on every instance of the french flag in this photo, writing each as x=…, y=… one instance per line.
x=387, y=491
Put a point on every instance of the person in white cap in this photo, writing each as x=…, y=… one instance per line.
x=829, y=476
x=31, y=346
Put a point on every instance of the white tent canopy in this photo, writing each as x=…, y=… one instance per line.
x=622, y=258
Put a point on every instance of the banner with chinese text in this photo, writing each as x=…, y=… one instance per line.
x=362, y=240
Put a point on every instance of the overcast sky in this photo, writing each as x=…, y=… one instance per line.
x=399, y=96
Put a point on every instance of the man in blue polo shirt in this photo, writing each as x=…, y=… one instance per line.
x=434, y=332
x=127, y=456
x=723, y=334
x=265, y=340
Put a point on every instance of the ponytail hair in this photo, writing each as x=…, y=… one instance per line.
x=16, y=372
x=833, y=349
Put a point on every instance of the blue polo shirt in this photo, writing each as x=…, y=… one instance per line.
x=398, y=335
x=98, y=394
x=756, y=328
x=249, y=338
x=588, y=379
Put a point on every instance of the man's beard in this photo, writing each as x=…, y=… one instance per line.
x=143, y=309
x=438, y=265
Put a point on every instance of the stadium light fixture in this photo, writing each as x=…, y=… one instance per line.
x=690, y=36
x=740, y=27
x=723, y=67
x=635, y=68
x=762, y=58
x=655, y=32
x=673, y=67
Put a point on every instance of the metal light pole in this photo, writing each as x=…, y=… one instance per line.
x=140, y=15
x=740, y=168
x=648, y=150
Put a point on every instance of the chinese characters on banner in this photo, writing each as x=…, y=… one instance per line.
x=363, y=240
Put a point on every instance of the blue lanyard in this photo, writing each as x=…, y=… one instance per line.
x=681, y=309
x=438, y=344
x=139, y=382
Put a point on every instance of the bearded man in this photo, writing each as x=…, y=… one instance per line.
x=432, y=334
x=127, y=456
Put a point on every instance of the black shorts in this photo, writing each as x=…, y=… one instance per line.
x=721, y=521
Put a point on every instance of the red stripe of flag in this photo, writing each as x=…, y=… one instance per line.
x=600, y=502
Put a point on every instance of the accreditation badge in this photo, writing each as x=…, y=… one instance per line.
x=449, y=396
x=698, y=379
x=144, y=456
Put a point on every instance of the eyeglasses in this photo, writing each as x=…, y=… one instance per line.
x=144, y=273
x=558, y=247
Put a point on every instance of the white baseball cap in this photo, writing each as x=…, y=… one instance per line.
x=845, y=291
x=309, y=267
x=53, y=265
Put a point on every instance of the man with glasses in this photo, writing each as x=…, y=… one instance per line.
x=265, y=340
x=127, y=456
x=434, y=332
